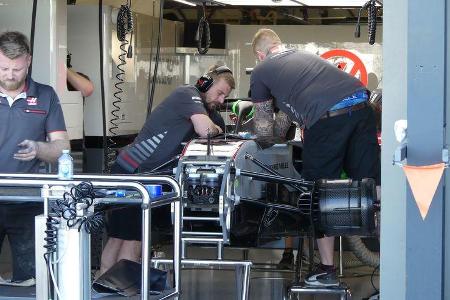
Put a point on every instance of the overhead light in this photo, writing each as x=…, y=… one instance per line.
x=186, y=2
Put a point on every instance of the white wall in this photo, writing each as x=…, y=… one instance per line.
x=83, y=43
x=49, y=56
x=316, y=39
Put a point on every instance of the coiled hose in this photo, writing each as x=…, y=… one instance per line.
x=124, y=27
x=203, y=31
x=371, y=20
x=360, y=250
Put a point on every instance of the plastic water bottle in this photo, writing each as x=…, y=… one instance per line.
x=65, y=166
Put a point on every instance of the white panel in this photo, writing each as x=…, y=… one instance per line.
x=10, y=9
x=83, y=44
x=72, y=105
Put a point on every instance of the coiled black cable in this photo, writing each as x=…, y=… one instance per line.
x=371, y=20
x=203, y=31
x=124, y=22
x=51, y=235
x=124, y=27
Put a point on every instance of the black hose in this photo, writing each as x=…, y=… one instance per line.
x=203, y=31
x=152, y=79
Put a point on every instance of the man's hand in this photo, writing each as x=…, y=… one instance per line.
x=28, y=150
x=219, y=129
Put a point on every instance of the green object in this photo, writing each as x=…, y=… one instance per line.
x=234, y=109
x=234, y=106
x=344, y=175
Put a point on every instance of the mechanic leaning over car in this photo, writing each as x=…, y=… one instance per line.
x=332, y=108
x=189, y=111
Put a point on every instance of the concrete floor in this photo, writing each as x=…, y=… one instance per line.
x=266, y=281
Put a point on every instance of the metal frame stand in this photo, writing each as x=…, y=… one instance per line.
x=218, y=238
x=39, y=180
x=342, y=291
x=298, y=288
x=242, y=268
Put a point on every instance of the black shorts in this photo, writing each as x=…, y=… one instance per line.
x=126, y=223
x=345, y=142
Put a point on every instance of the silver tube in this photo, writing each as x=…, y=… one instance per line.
x=341, y=262
x=157, y=179
x=220, y=250
x=202, y=233
x=246, y=282
x=202, y=218
x=177, y=246
x=344, y=292
x=206, y=262
x=206, y=240
x=42, y=179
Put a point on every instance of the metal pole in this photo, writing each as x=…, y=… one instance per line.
x=28, y=180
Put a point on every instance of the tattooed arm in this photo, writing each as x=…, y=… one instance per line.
x=282, y=124
x=263, y=119
x=268, y=130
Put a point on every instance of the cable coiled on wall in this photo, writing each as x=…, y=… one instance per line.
x=124, y=27
x=124, y=22
x=203, y=31
x=371, y=20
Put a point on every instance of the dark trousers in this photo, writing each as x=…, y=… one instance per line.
x=346, y=142
x=17, y=222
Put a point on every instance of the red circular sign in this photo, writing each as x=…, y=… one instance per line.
x=347, y=62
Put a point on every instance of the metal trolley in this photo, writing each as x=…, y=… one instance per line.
x=82, y=284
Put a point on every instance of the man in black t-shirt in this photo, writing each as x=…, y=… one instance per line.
x=330, y=105
x=189, y=111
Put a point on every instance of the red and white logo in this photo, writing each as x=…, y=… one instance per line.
x=32, y=101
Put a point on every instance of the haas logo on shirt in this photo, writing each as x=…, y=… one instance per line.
x=32, y=101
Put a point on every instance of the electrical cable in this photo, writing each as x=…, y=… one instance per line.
x=124, y=22
x=124, y=27
x=152, y=79
x=371, y=279
x=371, y=20
x=203, y=31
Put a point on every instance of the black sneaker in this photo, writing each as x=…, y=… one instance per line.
x=322, y=276
x=287, y=260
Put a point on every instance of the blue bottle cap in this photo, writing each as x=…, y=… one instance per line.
x=120, y=193
x=154, y=190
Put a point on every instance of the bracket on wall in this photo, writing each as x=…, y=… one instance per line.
x=400, y=156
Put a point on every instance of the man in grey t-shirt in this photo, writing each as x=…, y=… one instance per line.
x=330, y=105
x=187, y=112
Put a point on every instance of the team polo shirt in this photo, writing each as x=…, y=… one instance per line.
x=303, y=85
x=30, y=117
x=165, y=129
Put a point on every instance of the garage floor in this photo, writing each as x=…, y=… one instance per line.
x=267, y=282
